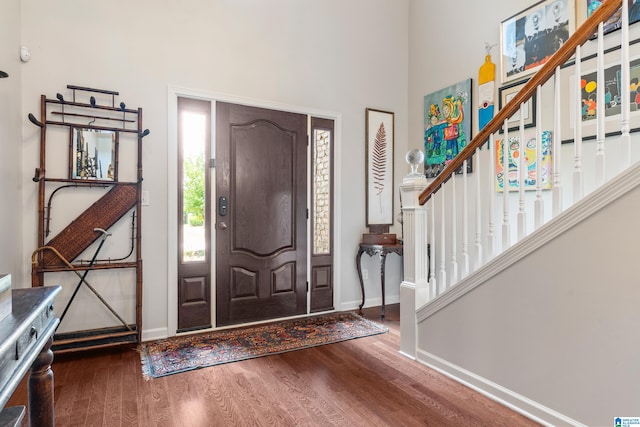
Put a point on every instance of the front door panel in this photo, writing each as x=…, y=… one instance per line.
x=261, y=226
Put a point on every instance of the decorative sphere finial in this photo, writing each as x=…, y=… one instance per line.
x=415, y=158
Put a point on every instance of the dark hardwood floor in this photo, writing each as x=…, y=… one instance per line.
x=362, y=382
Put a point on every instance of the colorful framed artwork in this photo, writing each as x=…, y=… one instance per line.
x=379, y=134
x=447, y=126
x=506, y=94
x=585, y=9
x=589, y=96
x=612, y=91
x=514, y=162
x=529, y=38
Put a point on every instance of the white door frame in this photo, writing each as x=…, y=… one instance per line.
x=172, y=188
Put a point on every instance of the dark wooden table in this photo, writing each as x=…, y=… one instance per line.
x=382, y=250
x=25, y=343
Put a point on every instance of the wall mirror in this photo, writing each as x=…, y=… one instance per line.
x=93, y=154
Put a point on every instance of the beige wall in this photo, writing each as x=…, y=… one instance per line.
x=11, y=184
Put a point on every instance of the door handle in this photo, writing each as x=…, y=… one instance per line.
x=222, y=225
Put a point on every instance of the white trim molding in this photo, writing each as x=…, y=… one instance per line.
x=512, y=400
x=580, y=211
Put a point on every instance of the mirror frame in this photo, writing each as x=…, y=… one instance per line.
x=74, y=152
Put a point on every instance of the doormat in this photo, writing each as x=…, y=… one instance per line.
x=185, y=353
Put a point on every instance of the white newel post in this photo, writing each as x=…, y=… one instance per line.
x=414, y=289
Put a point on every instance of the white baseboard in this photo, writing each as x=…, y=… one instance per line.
x=498, y=393
x=369, y=302
x=154, y=334
x=407, y=355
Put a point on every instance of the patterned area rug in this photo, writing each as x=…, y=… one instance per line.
x=174, y=355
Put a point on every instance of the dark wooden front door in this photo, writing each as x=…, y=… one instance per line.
x=261, y=235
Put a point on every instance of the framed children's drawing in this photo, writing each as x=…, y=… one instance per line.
x=447, y=124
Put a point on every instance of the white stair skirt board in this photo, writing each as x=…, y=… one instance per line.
x=578, y=212
x=514, y=401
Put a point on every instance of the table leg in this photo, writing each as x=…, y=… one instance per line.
x=40, y=388
x=359, y=268
x=383, y=260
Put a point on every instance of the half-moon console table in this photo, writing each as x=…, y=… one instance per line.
x=382, y=250
x=25, y=342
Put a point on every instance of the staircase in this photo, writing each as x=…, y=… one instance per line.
x=530, y=297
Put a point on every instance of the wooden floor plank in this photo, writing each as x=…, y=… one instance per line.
x=362, y=382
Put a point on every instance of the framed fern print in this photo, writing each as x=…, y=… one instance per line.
x=379, y=130
x=447, y=126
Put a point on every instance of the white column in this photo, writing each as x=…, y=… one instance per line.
x=414, y=289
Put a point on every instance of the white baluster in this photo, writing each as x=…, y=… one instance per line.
x=478, y=215
x=600, y=158
x=465, y=220
x=522, y=172
x=577, y=129
x=491, y=251
x=625, y=138
x=433, y=284
x=539, y=203
x=557, y=144
x=443, y=225
x=506, y=229
x=454, y=233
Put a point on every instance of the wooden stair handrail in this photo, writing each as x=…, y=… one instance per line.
x=581, y=35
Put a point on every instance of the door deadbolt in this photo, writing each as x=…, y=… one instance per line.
x=222, y=206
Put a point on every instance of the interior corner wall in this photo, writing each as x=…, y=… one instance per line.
x=11, y=184
x=328, y=56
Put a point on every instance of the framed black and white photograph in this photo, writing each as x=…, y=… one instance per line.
x=379, y=167
x=507, y=93
x=529, y=38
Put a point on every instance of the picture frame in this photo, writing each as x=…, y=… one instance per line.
x=529, y=38
x=584, y=9
x=508, y=92
x=612, y=122
x=514, y=161
x=447, y=125
x=379, y=166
